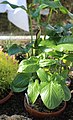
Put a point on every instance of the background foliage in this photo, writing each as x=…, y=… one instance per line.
x=9, y=29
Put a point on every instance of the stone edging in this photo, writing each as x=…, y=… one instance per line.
x=14, y=117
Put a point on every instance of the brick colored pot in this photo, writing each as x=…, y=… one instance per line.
x=38, y=114
x=5, y=99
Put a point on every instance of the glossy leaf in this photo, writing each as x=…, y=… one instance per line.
x=33, y=90
x=68, y=26
x=47, y=43
x=42, y=75
x=14, y=49
x=59, y=29
x=63, y=10
x=54, y=4
x=39, y=8
x=50, y=27
x=66, y=93
x=51, y=94
x=64, y=74
x=64, y=47
x=69, y=57
x=66, y=40
x=58, y=78
x=55, y=54
x=29, y=65
x=47, y=62
x=20, y=82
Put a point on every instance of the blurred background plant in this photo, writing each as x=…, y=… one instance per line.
x=8, y=69
x=6, y=44
x=18, y=48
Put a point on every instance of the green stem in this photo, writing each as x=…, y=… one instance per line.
x=48, y=21
x=49, y=16
x=31, y=31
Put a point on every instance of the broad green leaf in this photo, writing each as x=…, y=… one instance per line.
x=33, y=90
x=68, y=26
x=64, y=47
x=39, y=8
x=69, y=57
x=47, y=62
x=66, y=93
x=56, y=0
x=56, y=54
x=18, y=89
x=47, y=43
x=36, y=13
x=20, y=82
x=64, y=74
x=59, y=29
x=42, y=75
x=58, y=78
x=43, y=6
x=29, y=65
x=51, y=94
x=66, y=40
x=54, y=4
x=63, y=10
x=50, y=27
x=14, y=49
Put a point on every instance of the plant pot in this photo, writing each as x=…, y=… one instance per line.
x=68, y=82
x=38, y=114
x=2, y=101
x=71, y=91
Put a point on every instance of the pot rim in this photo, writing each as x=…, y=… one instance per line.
x=2, y=101
x=68, y=82
x=71, y=91
x=38, y=114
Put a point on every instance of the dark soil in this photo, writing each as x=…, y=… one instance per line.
x=4, y=93
x=15, y=106
x=39, y=106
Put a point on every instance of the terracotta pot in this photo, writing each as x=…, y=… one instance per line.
x=2, y=101
x=38, y=114
x=68, y=82
x=71, y=91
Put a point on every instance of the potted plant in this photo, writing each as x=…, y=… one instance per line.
x=8, y=69
x=43, y=74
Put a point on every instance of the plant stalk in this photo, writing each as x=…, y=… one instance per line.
x=48, y=21
x=49, y=16
x=31, y=31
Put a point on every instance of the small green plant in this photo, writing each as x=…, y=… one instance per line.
x=8, y=69
x=6, y=44
x=44, y=72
